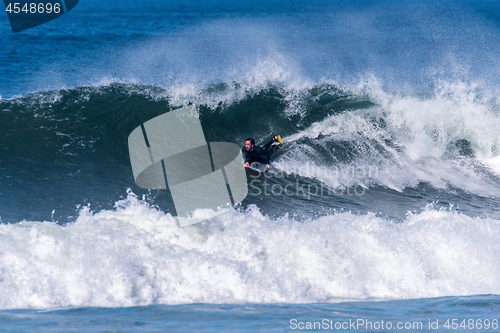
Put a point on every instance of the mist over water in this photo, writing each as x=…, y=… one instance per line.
x=407, y=46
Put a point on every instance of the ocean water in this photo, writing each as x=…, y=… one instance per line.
x=382, y=208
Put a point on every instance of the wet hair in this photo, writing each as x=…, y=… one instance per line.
x=252, y=141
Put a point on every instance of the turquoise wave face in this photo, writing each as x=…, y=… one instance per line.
x=364, y=150
x=396, y=97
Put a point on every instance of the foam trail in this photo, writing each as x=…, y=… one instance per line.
x=444, y=138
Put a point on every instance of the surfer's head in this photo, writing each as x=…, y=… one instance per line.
x=249, y=143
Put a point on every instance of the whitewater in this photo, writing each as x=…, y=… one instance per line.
x=137, y=255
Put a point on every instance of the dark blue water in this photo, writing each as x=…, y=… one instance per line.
x=385, y=198
x=445, y=314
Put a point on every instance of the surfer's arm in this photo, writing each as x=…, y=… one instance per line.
x=268, y=145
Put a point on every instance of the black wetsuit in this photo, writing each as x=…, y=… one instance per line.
x=259, y=154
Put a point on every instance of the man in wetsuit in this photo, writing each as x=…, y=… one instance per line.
x=252, y=153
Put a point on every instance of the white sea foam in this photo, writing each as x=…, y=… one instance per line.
x=137, y=255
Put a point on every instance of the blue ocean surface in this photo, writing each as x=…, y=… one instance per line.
x=383, y=206
x=446, y=314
